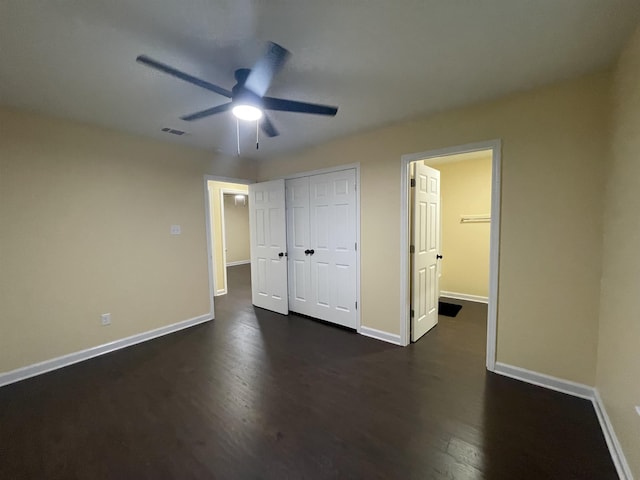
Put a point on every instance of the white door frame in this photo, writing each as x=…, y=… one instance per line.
x=495, y=146
x=338, y=168
x=209, y=232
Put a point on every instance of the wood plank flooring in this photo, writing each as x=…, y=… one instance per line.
x=256, y=395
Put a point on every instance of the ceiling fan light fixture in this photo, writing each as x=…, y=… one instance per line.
x=247, y=112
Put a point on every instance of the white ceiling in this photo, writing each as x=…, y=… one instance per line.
x=380, y=61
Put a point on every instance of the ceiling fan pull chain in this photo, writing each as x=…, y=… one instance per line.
x=257, y=135
x=238, y=134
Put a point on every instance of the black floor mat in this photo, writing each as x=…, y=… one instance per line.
x=448, y=309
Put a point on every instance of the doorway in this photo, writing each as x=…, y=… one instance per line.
x=227, y=228
x=428, y=215
x=235, y=227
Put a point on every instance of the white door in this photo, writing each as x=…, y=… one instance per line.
x=332, y=246
x=321, y=234
x=298, y=246
x=426, y=250
x=267, y=232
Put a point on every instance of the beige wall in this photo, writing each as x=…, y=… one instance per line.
x=618, y=377
x=554, y=142
x=85, y=215
x=465, y=190
x=236, y=229
x=215, y=209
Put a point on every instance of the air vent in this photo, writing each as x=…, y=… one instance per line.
x=173, y=131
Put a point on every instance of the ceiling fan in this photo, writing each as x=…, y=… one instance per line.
x=248, y=100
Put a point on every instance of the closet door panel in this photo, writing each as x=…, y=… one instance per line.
x=300, y=289
x=267, y=233
x=333, y=235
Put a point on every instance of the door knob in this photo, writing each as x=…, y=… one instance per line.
x=307, y=252
x=438, y=256
x=312, y=251
x=281, y=254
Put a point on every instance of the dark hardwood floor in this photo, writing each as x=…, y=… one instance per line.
x=255, y=395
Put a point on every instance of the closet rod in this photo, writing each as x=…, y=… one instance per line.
x=475, y=219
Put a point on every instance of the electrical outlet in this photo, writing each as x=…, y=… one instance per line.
x=105, y=318
x=175, y=230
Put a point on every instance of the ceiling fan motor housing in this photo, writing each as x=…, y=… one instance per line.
x=242, y=95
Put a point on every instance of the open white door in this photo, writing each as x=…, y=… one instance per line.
x=426, y=249
x=267, y=232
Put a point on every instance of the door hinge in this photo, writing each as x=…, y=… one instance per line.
x=412, y=249
x=356, y=305
x=413, y=182
x=356, y=246
x=412, y=313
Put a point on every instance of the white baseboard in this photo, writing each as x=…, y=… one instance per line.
x=617, y=455
x=55, y=363
x=239, y=262
x=577, y=390
x=222, y=291
x=547, y=381
x=464, y=296
x=380, y=335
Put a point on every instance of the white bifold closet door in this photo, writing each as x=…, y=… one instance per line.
x=321, y=243
x=267, y=234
